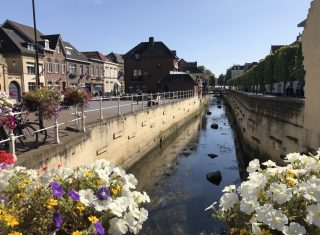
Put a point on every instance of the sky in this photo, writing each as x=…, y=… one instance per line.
x=215, y=33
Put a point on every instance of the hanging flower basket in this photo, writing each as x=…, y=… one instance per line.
x=75, y=96
x=44, y=100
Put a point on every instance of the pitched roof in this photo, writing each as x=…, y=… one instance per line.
x=179, y=78
x=94, y=55
x=274, y=48
x=24, y=29
x=75, y=54
x=191, y=69
x=183, y=63
x=150, y=49
x=115, y=58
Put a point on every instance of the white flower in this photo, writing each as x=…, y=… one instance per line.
x=118, y=226
x=292, y=157
x=263, y=213
x=313, y=215
x=229, y=189
x=278, y=220
x=118, y=205
x=279, y=193
x=228, y=200
x=269, y=164
x=254, y=165
x=248, y=206
x=130, y=181
x=87, y=197
x=294, y=229
x=311, y=189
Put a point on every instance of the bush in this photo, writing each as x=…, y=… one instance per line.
x=275, y=200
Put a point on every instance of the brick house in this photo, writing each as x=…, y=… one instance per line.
x=147, y=65
x=96, y=71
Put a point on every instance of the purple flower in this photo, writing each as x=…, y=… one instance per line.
x=57, y=219
x=99, y=228
x=103, y=193
x=3, y=197
x=57, y=190
x=74, y=195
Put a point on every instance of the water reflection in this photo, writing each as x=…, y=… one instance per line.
x=175, y=176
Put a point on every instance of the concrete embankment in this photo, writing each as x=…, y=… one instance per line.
x=269, y=127
x=122, y=140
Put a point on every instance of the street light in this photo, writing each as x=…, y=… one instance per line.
x=36, y=46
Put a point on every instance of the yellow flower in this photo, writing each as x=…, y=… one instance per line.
x=233, y=230
x=77, y=233
x=51, y=203
x=21, y=195
x=88, y=174
x=22, y=186
x=10, y=220
x=93, y=219
x=265, y=232
x=15, y=233
x=243, y=231
x=80, y=207
x=116, y=189
x=26, y=181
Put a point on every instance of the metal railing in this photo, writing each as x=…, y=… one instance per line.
x=134, y=102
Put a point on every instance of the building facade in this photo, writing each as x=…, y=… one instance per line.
x=147, y=65
x=114, y=69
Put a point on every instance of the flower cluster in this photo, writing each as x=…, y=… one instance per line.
x=95, y=199
x=45, y=100
x=75, y=96
x=6, y=117
x=275, y=199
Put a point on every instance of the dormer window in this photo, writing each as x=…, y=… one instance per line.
x=31, y=47
x=68, y=50
x=46, y=44
x=136, y=56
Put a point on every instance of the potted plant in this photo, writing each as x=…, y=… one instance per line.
x=75, y=96
x=45, y=100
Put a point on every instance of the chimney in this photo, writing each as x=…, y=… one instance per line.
x=151, y=40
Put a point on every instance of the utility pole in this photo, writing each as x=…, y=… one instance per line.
x=36, y=46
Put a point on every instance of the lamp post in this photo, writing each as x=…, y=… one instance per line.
x=36, y=46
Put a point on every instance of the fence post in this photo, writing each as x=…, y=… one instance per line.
x=101, y=114
x=119, y=107
x=12, y=144
x=77, y=116
x=132, y=107
x=142, y=101
x=83, y=124
x=56, y=131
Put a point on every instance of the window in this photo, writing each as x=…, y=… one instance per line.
x=31, y=47
x=68, y=50
x=57, y=86
x=73, y=68
x=56, y=66
x=101, y=71
x=58, y=49
x=49, y=65
x=31, y=86
x=30, y=68
x=50, y=84
x=108, y=72
x=137, y=74
x=137, y=56
x=81, y=69
x=63, y=67
x=92, y=70
x=97, y=71
x=87, y=70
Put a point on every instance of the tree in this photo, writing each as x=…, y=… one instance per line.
x=212, y=80
x=202, y=68
x=228, y=74
x=220, y=81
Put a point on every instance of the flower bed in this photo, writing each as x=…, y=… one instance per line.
x=274, y=199
x=95, y=199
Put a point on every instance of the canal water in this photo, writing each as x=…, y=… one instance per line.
x=175, y=175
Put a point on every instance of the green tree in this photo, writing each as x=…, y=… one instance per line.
x=220, y=81
x=212, y=80
x=202, y=68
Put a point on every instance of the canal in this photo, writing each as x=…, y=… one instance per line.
x=175, y=175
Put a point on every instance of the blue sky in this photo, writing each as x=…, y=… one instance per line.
x=216, y=33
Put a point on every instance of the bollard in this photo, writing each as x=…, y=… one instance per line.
x=101, y=114
x=12, y=144
x=83, y=125
x=119, y=112
x=132, y=107
x=56, y=131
